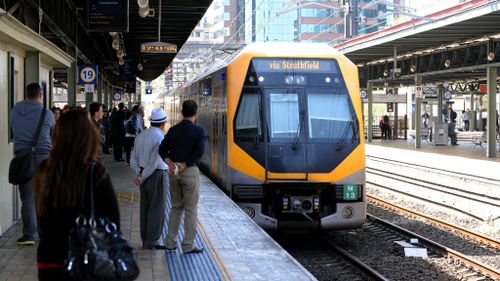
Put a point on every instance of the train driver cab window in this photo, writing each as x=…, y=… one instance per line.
x=248, y=126
x=329, y=116
x=284, y=114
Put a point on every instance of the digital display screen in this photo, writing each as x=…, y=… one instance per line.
x=294, y=65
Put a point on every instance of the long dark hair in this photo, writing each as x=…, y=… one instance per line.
x=60, y=180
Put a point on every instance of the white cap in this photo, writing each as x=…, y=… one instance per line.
x=158, y=116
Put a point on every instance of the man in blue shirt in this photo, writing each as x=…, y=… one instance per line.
x=182, y=148
x=151, y=176
x=24, y=121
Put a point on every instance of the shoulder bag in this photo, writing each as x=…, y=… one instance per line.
x=98, y=253
x=22, y=167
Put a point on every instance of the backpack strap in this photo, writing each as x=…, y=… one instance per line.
x=38, y=130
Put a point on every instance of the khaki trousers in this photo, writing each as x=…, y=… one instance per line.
x=184, y=193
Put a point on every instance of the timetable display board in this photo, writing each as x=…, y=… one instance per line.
x=107, y=15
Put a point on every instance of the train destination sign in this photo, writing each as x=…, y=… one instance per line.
x=301, y=65
x=107, y=15
x=158, y=48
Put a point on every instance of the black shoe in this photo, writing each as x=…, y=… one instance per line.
x=195, y=251
x=25, y=242
x=158, y=247
x=170, y=249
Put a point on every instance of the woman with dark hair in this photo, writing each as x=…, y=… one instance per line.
x=62, y=190
x=56, y=111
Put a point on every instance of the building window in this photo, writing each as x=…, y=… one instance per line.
x=315, y=27
x=227, y=16
x=316, y=13
x=12, y=91
x=227, y=2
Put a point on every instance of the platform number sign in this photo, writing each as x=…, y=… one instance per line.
x=87, y=74
x=350, y=192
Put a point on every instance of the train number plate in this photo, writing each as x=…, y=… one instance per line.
x=350, y=192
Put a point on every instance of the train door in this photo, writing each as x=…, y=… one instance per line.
x=287, y=148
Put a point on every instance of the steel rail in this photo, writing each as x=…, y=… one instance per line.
x=356, y=262
x=475, y=235
x=487, y=270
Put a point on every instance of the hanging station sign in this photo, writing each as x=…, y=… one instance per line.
x=107, y=15
x=158, y=48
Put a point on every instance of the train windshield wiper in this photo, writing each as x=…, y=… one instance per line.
x=340, y=145
x=297, y=135
x=355, y=129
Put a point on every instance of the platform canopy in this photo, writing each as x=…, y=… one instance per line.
x=464, y=34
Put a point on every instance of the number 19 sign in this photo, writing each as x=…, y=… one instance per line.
x=87, y=74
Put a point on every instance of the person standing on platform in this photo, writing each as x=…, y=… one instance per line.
x=106, y=128
x=96, y=114
x=466, y=118
x=181, y=149
x=25, y=118
x=118, y=129
x=151, y=177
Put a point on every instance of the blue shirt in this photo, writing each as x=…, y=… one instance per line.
x=24, y=119
x=145, y=156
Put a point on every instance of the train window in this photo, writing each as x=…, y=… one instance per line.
x=284, y=114
x=248, y=124
x=329, y=116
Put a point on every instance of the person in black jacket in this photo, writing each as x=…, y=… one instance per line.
x=118, y=131
x=62, y=193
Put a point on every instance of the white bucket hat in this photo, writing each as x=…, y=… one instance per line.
x=158, y=116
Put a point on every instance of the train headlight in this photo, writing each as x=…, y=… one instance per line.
x=328, y=80
x=261, y=79
x=251, y=79
x=289, y=79
x=249, y=211
x=306, y=205
x=347, y=212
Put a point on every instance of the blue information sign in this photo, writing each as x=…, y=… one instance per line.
x=87, y=74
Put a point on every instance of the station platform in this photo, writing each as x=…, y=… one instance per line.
x=236, y=248
x=463, y=158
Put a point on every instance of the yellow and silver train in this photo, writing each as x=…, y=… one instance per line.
x=284, y=128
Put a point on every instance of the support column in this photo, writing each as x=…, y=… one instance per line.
x=370, y=112
x=105, y=94
x=440, y=92
x=72, y=87
x=418, y=119
x=491, y=73
x=99, y=89
x=472, y=122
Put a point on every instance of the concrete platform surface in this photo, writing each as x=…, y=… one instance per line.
x=236, y=247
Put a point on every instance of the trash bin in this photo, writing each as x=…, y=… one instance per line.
x=440, y=133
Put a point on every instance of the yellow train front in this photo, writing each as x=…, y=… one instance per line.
x=284, y=126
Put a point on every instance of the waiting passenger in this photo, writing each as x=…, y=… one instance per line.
x=118, y=129
x=425, y=119
x=181, y=149
x=96, y=114
x=62, y=190
x=452, y=132
x=151, y=176
x=466, y=118
x=65, y=109
x=385, y=127
x=130, y=133
x=56, y=111
x=25, y=118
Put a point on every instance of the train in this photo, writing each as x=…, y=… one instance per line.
x=284, y=134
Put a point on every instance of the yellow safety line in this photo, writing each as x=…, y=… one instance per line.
x=217, y=258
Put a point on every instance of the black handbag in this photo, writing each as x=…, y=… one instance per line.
x=98, y=252
x=22, y=167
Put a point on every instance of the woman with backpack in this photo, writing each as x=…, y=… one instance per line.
x=62, y=190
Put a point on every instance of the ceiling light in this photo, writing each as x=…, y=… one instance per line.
x=386, y=72
x=491, y=56
x=121, y=61
x=112, y=34
x=447, y=63
x=115, y=44
x=140, y=66
x=413, y=68
x=120, y=53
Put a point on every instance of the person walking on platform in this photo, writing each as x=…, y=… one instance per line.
x=181, y=149
x=26, y=117
x=62, y=190
x=118, y=129
x=151, y=177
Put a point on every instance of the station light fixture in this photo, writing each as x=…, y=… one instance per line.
x=121, y=61
x=413, y=68
x=115, y=44
x=112, y=34
x=140, y=66
x=143, y=8
x=120, y=53
x=386, y=72
x=491, y=56
x=447, y=63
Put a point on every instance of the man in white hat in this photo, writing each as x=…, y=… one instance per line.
x=152, y=177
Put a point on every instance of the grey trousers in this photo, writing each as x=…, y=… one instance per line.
x=28, y=212
x=184, y=193
x=152, y=214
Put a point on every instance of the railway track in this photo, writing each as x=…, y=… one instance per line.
x=393, y=232
x=478, y=198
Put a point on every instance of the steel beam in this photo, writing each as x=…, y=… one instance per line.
x=370, y=112
x=417, y=113
x=440, y=92
x=492, y=112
